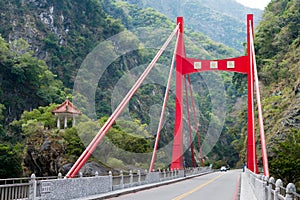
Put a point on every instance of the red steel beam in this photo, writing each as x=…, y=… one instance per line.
x=251, y=143
x=177, y=153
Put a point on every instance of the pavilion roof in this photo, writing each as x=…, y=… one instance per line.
x=66, y=107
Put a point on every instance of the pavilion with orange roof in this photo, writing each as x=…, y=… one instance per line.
x=64, y=111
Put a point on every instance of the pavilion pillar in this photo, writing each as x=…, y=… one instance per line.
x=73, y=121
x=66, y=122
x=58, y=122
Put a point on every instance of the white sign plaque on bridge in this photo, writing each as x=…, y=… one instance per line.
x=197, y=65
x=214, y=64
x=230, y=64
x=47, y=187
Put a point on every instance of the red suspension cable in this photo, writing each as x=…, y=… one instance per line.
x=260, y=117
x=189, y=122
x=163, y=108
x=195, y=120
x=102, y=132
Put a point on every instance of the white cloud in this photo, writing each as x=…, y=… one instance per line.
x=261, y=4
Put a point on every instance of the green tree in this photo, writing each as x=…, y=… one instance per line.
x=74, y=145
x=10, y=161
x=20, y=46
x=41, y=115
x=2, y=117
x=26, y=80
x=285, y=164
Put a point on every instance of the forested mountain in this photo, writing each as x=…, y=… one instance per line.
x=63, y=33
x=277, y=47
x=43, y=46
x=222, y=20
x=45, y=42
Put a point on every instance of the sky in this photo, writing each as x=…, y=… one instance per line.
x=261, y=4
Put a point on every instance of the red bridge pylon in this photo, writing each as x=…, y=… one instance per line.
x=243, y=64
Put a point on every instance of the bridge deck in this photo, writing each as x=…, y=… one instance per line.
x=219, y=185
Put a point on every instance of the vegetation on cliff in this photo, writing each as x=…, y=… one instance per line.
x=43, y=44
x=278, y=55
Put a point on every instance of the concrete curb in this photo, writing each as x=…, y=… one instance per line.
x=117, y=193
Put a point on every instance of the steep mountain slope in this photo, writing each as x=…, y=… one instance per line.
x=278, y=51
x=221, y=20
x=157, y=23
x=277, y=43
x=62, y=33
x=26, y=82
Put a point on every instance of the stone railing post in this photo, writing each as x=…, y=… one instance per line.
x=290, y=189
x=168, y=173
x=278, y=184
x=96, y=173
x=121, y=179
x=139, y=177
x=130, y=178
x=270, y=188
x=110, y=181
x=32, y=187
x=59, y=176
x=265, y=186
x=164, y=171
x=147, y=176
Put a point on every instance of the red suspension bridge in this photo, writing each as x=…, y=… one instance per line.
x=184, y=67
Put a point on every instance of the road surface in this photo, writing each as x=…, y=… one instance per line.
x=214, y=186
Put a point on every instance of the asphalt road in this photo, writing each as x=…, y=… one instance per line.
x=214, y=186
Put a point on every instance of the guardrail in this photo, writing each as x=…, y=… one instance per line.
x=19, y=188
x=61, y=188
x=266, y=188
x=14, y=191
